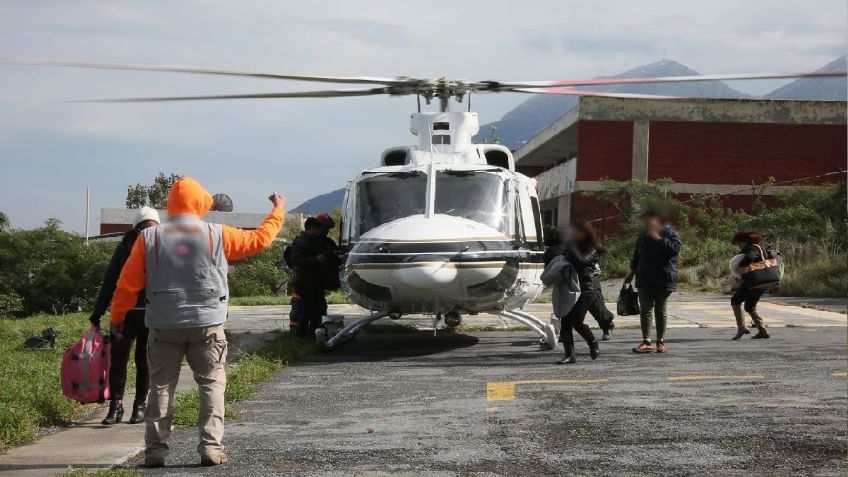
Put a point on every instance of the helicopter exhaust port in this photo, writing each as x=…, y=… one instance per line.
x=453, y=319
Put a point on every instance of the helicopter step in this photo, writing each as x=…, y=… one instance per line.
x=546, y=331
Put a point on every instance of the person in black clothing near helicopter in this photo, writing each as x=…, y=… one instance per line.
x=134, y=328
x=582, y=250
x=555, y=242
x=314, y=259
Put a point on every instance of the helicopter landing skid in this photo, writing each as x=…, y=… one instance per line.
x=347, y=332
x=545, y=330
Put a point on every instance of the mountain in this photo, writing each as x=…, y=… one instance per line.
x=817, y=88
x=320, y=203
x=535, y=114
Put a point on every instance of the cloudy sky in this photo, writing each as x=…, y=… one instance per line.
x=51, y=149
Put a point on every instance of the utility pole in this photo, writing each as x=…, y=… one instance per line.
x=87, y=211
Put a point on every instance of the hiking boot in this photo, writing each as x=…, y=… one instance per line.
x=762, y=335
x=138, y=412
x=115, y=414
x=154, y=461
x=594, y=350
x=661, y=347
x=645, y=347
x=207, y=460
x=740, y=333
x=567, y=360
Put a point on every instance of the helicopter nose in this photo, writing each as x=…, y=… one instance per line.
x=425, y=274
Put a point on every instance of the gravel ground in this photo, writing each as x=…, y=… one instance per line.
x=416, y=405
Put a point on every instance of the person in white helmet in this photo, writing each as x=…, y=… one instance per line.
x=134, y=329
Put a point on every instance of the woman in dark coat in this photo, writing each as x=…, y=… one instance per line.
x=134, y=328
x=582, y=250
x=746, y=298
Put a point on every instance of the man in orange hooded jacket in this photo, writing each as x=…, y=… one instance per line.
x=182, y=266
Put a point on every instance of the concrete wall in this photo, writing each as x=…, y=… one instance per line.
x=605, y=149
x=722, y=153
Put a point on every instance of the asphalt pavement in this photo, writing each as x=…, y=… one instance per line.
x=493, y=404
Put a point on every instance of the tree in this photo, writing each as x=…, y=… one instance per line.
x=4, y=222
x=154, y=195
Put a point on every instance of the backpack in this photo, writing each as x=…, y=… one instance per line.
x=85, y=368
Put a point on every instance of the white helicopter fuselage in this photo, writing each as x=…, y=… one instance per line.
x=443, y=226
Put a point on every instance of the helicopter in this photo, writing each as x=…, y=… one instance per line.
x=444, y=227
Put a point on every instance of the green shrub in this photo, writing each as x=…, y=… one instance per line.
x=261, y=274
x=52, y=271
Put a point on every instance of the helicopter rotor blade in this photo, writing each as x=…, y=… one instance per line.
x=206, y=71
x=583, y=92
x=295, y=94
x=506, y=86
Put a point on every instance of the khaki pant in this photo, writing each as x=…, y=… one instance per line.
x=206, y=352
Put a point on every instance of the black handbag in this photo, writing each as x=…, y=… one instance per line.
x=628, y=301
x=762, y=274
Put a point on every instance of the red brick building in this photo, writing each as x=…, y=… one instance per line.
x=719, y=146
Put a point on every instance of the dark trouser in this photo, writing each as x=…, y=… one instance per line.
x=575, y=320
x=747, y=298
x=598, y=309
x=652, y=303
x=134, y=330
x=308, y=307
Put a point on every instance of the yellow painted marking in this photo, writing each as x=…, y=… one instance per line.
x=748, y=377
x=505, y=390
x=840, y=374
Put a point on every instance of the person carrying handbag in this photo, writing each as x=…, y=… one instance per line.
x=759, y=270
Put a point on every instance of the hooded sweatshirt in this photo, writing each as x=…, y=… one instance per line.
x=188, y=198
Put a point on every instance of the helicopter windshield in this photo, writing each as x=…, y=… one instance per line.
x=479, y=196
x=387, y=197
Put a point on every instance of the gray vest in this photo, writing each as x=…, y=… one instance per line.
x=186, y=274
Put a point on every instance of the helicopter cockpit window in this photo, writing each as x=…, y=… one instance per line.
x=479, y=196
x=384, y=198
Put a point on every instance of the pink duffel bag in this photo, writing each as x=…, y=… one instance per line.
x=85, y=368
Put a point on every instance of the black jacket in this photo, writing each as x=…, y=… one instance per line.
x=752, y=255
x=655, y=261
x=113, y=272
x=312, y=273
x=585, y=263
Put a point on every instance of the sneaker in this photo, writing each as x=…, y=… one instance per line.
x=207, y=460
x=153, y=461
x=661, y=347
x=645, y=347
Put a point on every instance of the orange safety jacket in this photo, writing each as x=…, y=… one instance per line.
x=187, y=197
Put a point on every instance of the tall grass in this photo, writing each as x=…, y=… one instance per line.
x=30, y=391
